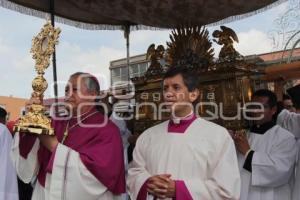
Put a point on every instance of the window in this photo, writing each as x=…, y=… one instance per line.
x=143, y=68
x=138, y=70
x=119, y=74
x=124, y=71
x=116, y=72
x=115, y=79
x=134, y=70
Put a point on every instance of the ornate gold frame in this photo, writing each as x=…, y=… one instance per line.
x=43, y=46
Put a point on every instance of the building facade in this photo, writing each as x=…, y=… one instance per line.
x=119, y=70
x=139, y=64
x=14, y=106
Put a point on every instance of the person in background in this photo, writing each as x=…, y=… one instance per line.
x=287, y=103
x=8, y=177
x=291, y=122
x=124, y=133
x=266, y=153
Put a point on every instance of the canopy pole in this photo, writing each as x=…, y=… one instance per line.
x=126, y=35
x=54, y=60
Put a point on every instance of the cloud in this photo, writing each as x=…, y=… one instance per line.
x=283, y=7
x=23, y=63
x=141, y=40
x=98, y=62
x=14, y=57
x=253, y=42
x=18, y=69
x=72, y=58
x=250, y=42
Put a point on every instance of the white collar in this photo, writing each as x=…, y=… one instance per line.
x=176, y=120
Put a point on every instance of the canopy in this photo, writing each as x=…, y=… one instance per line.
x=142, y=14
x=138, y=14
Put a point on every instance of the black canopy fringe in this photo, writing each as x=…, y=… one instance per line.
x=82, y=25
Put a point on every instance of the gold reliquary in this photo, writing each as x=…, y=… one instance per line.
x=43, y=46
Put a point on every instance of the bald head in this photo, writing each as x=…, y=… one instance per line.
x=90, y=81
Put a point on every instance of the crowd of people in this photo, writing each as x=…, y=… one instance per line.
x=183, y=158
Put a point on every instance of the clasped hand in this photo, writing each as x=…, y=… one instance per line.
x=161, y=186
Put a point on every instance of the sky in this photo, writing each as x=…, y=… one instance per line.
x=91, y=51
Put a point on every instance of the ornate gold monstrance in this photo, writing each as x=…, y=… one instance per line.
x=42, y=48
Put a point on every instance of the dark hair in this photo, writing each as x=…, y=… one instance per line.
x=272, y=99
x=294, y=93
x=3, y=114
x=190, y=79
x=286, y=97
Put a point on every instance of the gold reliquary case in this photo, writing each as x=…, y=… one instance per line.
x=43, y=46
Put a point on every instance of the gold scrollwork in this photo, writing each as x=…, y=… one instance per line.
x=43, y=46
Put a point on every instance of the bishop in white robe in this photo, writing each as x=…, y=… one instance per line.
x=87, y=165
x=83, y=160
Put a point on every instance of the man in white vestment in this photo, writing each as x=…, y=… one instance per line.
x=8, y=176
x=83, y=160
x=266, y=154
x=185, y=157
x=291, y=122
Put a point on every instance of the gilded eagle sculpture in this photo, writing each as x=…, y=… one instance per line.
x=227, y=37
x=155, y=54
